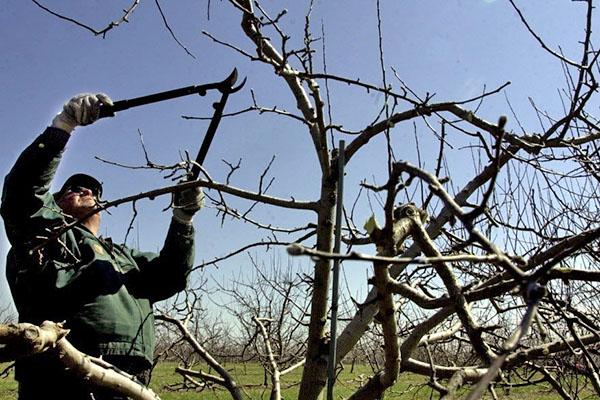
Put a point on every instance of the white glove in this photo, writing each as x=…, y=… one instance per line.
x=82, y=109
x=186, y=203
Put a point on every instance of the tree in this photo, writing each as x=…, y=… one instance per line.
x=505, y=247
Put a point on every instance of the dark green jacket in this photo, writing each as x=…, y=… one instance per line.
x=102, y=290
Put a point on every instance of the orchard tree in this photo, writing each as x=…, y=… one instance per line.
x=484, y=265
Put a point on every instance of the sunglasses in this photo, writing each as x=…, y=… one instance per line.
x=77, y=189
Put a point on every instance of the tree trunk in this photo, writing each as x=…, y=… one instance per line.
x=315, y=369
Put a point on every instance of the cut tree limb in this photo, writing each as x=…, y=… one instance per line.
x=24, y=339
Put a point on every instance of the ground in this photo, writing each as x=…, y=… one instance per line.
x=167, y=384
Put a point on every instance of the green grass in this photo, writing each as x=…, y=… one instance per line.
x=251, y=378
x=408, y=387
x=8, y=386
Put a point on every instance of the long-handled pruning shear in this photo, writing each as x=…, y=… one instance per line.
x=225, y=87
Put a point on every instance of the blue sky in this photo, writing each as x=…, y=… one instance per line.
x=448, y=47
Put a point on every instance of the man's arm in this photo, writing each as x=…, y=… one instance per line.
x=26, y=187
x=160, y=277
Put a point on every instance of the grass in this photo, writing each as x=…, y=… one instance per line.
x=251, y=378
x=165, y=382
x=8, y=386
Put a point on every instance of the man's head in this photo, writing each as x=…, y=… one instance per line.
x=79, y=195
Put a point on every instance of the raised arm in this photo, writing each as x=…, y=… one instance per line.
x=161, y=276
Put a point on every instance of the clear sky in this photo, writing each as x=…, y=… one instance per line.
x=448, y=47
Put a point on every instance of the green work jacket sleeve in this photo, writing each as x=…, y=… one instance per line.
x=30, y=214
x=162, y=275
x=28, y=208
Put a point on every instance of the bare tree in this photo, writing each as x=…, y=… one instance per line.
x=267, y=312
x=495, y=263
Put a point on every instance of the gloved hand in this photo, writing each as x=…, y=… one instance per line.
x=186, y=203
x=82, y=109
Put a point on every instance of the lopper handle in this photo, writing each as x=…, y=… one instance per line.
x=109, y=111
x=225, y=86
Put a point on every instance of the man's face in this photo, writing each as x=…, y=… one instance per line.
x=77, y=201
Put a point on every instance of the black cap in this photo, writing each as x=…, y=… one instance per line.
x=84, y=180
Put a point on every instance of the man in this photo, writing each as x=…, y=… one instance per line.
x=103, y=291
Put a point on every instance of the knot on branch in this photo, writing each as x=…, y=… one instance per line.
x=409, y=210
x=389, y=241
x=45, y=336
x=24, y=339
